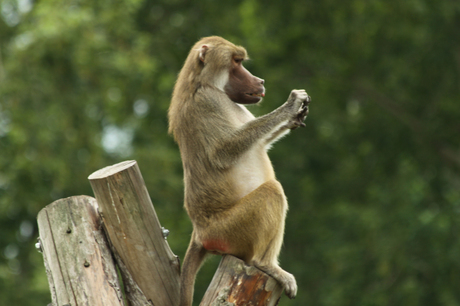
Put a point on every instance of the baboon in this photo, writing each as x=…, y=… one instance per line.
x=234, y=201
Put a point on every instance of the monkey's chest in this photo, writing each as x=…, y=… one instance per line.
x=253, y=169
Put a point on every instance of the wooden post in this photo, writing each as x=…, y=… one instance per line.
x=147, y=263
x=77, y=258
x=238, y=284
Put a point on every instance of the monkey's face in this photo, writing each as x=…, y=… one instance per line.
x=242, y=87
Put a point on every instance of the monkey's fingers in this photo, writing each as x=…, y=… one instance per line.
x=302, y=114
x=306, y=101
x=295, y=124
x=304, y=110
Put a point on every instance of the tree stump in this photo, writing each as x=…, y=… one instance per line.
x=237, y=284
x=77, y=258
x=149, y=267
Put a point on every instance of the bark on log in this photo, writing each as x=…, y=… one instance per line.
x=78, y=262
x=148, y=266
x=237, y=284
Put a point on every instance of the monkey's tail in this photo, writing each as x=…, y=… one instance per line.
x=194, y=258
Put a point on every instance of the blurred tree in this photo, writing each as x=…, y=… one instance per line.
x=373, y=181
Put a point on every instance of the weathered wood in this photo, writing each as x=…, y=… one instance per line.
x=78, y=262
x=148, y=265
x=237, y=284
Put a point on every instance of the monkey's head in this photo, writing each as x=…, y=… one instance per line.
x=219, y=63
x=242, y=87
x=223, y=62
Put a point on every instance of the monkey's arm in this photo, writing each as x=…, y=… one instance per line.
x=264, y=130
x=293, y=124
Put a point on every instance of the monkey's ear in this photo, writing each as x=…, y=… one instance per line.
x=203, y=50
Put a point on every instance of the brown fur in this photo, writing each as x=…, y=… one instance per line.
x=231, y=195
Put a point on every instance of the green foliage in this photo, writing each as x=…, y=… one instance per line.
x=373, y=181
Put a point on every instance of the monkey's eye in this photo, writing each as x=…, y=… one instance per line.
x=238, y=60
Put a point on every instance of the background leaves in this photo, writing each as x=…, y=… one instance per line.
x=373, y=181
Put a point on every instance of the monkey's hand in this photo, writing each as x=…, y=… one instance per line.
x=298, y=120
x=300, y=101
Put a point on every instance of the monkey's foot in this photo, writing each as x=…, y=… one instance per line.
x=287, y=280
x=290, y=286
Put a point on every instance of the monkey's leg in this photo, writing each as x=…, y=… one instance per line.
x=253, y=229
x=266, y=256
x=194, y=257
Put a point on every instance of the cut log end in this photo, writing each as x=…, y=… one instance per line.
x=111, y=170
